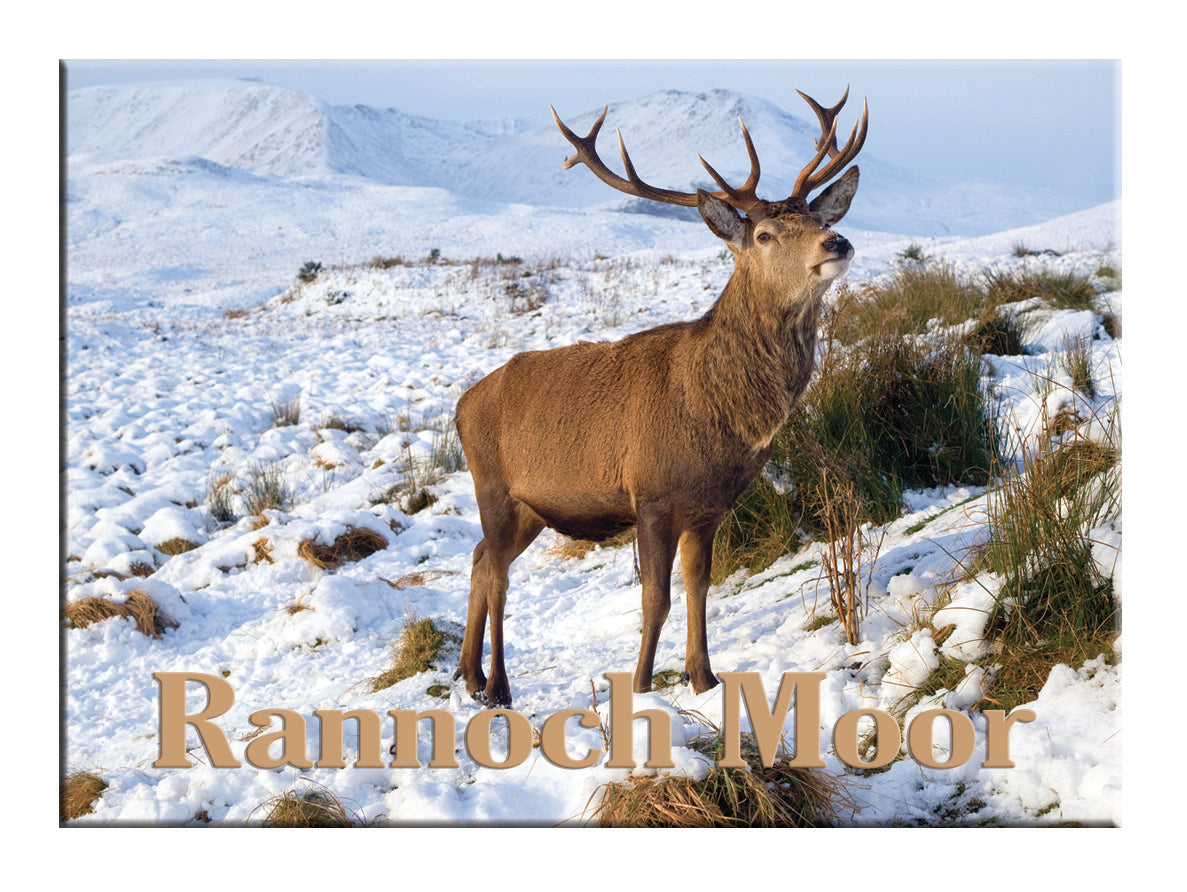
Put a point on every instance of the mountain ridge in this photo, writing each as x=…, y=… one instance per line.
x=271, y=130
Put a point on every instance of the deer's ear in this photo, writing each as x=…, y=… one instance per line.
x=833, y=203
x=723, y=221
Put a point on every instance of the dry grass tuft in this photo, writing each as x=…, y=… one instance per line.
x=262, y=549
x=353, y=545
x=77, y=793
x=575, y=549
x=419, y=647
x=310, y=808
x=174, y=547
x=779, y=796
x=139, y=606
x=416, y=579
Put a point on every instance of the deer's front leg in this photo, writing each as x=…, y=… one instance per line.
x=657, y=550
x=696, y=563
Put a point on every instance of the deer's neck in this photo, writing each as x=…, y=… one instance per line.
x=755, y=355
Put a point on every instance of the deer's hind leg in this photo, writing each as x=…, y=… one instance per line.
x=509, y=527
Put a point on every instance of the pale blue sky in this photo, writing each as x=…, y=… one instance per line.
x=1041, y=123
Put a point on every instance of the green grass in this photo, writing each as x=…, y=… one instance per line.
x=1061, y=290
x=1053, y=604
x=266, y=487
x=890, y=414
x=889, y=408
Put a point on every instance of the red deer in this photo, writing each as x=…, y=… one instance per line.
x=664, y=429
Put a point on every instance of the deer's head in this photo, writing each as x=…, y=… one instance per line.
x=789, y=241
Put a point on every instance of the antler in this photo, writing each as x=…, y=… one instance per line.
x=809, y=178
x=742, y=198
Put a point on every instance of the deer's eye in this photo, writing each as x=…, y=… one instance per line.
x=762, y=238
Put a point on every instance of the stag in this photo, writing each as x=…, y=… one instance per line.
x=664, y=429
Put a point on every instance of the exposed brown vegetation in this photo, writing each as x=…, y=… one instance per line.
x=139, y=606
x=353, y=545
x=77, y=793
x=174, y=547
x=575, y=549
x=413, y=579
x=779, y=796
x=262, y=549
x=418, y=647
x=310, y=808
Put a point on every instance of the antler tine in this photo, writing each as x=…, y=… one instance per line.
x=587, y=154
x=826, y=116
x=744, y=197
x=809, y=178
x=583, y=146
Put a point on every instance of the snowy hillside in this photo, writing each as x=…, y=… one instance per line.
x=200, y=371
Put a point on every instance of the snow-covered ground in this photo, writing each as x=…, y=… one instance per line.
x=186, y=329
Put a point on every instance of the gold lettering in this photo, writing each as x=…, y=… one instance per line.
x=444, y=738
x=174, y=718
x=919, y=738
x=768, y=723
x=291, y=737
x=845, y=739
x=997, y=728
x=622, y=719
x=332, y=722
x=552, y=738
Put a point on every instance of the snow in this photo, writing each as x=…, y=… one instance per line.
x=186, y=326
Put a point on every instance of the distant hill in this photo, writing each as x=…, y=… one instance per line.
x=275, y=131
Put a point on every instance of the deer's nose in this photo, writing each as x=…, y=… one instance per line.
x=838, y=244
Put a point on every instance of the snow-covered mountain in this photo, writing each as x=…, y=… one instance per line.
x=270, y=130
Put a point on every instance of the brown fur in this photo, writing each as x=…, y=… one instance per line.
x=662, y=430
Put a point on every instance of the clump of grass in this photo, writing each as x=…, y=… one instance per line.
x=1076, y=360
x=523, y=298
x=758, y=796
x=381, y=262
x=309, y=808
x=1021, y=250
x=333, y=421
x=915, y=298
x=997, y=330
x=138, y=606
x=760, y=528
x=262, y=551
x=913, y=253
x=220, y=498
x=1062, y=290
x=352, y=545
x=266, y=488
x=1053, y=604
x=575, y=549
x=286, y=412
x=421, y=473
x=174, y=547
x=309, y=271
x=77, y=794
x=420, y=644
x=667, y=678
